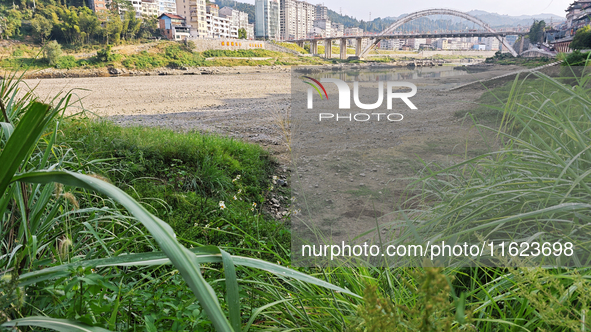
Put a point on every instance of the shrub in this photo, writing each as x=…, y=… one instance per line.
x=52, y=52
x=105, y=55
x=577, y=58
x=66, y=62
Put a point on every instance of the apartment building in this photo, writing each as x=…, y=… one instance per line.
x=213, y=9
x=296, y=19
x=321, y=12
x=390, y=44
x=239, y=20
x=149, y=8
x=337, y=29
x=220, y=27
x=98, y=5
x=267, y=19
x=194, y=11
x=166, y=6
x=323, y=27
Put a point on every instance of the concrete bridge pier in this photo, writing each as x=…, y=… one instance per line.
x=300, y=43
x=313, y=47
x=327, y=48
x=343, y=48
x=358, y=46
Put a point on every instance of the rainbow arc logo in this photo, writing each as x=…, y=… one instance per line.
x=316, y=86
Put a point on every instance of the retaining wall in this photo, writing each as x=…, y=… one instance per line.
x=227, y=44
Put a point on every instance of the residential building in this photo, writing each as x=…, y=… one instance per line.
x=250, y=31
x=173, y=26
x=415, y=43
x=324, y=27
x=337, y=29
x=353, y=32
x=149, y=8
x=213, y=9
x=194, y=11
x=441, y=44
x=98, y=5
x=296, y=19
x=491, y=43
x=167, y=6
x=137, y=7
x=575, y=11
x=267, y=19
x=238, y=19
x=321, y=12
x=219, y=27
x=390, y=44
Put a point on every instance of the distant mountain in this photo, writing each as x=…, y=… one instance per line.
x=497, y=20
x=500, y=21
x=423, y=24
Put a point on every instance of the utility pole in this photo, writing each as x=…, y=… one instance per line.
x=370, y=16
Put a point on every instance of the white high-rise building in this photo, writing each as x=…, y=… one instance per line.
x=267, y=25
x=390, y=44
x=166, y=6
x=321, y=12
x=296, y=19
x=491, y=44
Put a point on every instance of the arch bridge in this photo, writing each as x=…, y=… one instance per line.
x=389, y=33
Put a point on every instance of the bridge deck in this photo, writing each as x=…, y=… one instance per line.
x=421, y=35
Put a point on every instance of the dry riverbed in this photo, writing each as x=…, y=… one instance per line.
x=255, y=107
x=252, y=106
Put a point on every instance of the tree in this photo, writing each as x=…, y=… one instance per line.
x=536, y=32
x=582, y=39
x=52, y=52
x=242, y=33
x=113, y=29
x=131, y=25
x=10, y=24
x=89, y=23
x=149, y=27
x=41, y=27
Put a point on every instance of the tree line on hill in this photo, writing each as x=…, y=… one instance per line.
x=68, y=22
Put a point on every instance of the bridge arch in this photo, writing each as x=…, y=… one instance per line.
x=429, y=12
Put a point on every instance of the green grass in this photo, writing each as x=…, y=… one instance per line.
x=538, y=181
x=240, y=53
x=165, y=54
x=182, y=177
x=293, y=46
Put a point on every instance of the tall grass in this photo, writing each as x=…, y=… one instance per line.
x=80, y=262
x=29, y=199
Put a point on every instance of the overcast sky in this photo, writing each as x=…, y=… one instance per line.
x=381, y=8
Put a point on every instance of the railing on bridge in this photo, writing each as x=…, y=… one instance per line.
x=410, y=34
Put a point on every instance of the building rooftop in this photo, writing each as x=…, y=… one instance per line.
x=171, y=16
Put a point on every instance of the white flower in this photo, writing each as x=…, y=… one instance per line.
x=254, y=204
x=222, y=205
x=239, y=191
x=235, y=198
x=274, y=179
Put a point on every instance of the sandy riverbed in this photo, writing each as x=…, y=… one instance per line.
x=248, y=105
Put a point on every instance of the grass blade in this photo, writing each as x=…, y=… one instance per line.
x=64, y=325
